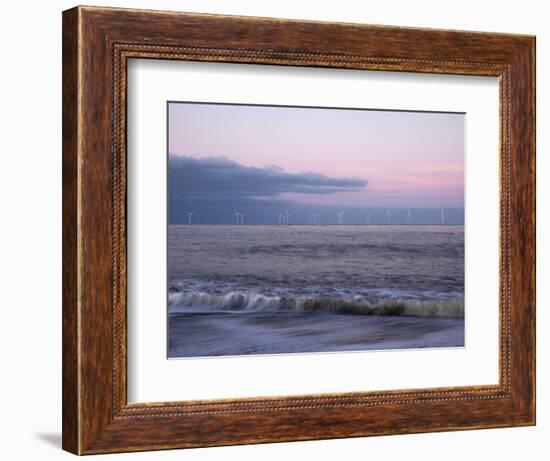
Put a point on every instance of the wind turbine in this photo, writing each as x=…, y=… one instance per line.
x=340, y=217
x=189, y=215
x=237, y=217
x=388, y=217
x=313, y=219
x=409, y=217
x=442, y=216
x=287, y=214
x=242, y=218
x=281, y=217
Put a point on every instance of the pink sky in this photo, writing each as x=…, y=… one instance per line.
x=410, y=159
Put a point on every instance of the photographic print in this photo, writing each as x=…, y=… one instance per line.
x=313, y=229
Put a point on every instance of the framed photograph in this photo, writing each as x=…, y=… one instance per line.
x=299, y=256
x=281, y=230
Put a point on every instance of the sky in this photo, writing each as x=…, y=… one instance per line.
x=265, y=159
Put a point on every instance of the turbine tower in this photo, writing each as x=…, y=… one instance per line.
x=281, y=218
x=388, y=217
x=313, y=219
x=287, y=214
x=442, y=216
x=368, y=218
x=189, y=215
x=242, y=218
x=409, y=217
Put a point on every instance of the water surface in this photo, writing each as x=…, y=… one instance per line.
x=254, y=289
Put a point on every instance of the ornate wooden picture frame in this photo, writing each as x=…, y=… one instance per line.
x=97, y=44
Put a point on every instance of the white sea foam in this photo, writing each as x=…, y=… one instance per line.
x=234, y=301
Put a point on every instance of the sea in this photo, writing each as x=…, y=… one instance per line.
x=238, y=290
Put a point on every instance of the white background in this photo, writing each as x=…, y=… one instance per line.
x=30, y=244
x=153, y=378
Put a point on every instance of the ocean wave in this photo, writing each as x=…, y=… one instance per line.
x=235, y=301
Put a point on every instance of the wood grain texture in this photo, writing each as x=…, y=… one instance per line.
x=70, y=383
x=97, y=43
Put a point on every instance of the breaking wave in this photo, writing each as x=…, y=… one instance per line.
x=235, y=301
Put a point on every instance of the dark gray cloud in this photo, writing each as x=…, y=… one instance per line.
x=221, y=178
x=214, y=187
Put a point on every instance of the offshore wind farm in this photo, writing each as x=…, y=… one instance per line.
x=370, y=216
x=294, y=230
